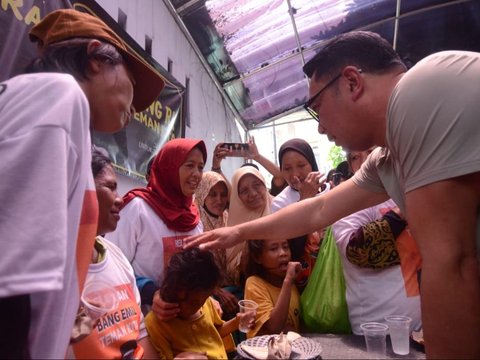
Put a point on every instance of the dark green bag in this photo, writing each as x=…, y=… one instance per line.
x=323, y=303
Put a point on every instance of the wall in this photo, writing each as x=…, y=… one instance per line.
x=210, y=119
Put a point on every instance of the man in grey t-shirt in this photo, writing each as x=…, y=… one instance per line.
x=427, y=121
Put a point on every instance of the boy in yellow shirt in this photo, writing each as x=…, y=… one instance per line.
x=190, y=279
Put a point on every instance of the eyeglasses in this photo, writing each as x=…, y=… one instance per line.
x=308, y=104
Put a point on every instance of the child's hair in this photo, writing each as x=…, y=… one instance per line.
x=190, y=270
x=251, y=253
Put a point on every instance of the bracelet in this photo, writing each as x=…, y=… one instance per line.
x=216, y=169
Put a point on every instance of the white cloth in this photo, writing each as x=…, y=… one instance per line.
x=286, y=197
x=373, y=294
x=289, y=196
x=123, y=324
x=46, y=188
x=146, y=241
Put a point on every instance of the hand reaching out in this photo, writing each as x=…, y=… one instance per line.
x=221, y=238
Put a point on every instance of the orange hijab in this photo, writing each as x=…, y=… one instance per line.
x=163, y=192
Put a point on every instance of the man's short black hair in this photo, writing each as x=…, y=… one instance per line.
x=364, y=49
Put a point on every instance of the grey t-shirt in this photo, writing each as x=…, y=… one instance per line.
x=433, y=127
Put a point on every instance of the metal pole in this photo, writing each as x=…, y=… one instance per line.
x=397, y=21
x=275, y=152
x=297, y=37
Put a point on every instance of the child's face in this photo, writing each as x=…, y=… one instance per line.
x=275, y=257
x=190, y=302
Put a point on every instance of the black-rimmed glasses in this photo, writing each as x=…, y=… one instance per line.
x=308, y=104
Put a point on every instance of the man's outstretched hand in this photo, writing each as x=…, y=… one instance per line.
x=221, y=238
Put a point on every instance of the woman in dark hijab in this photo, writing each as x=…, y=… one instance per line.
x=300, y=170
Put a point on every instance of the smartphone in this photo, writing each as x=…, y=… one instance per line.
x=236, y=149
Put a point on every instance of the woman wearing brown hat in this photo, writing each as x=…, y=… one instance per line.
x=85, y=79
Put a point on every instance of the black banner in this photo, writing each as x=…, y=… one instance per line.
x=16, y=20
x=131, y=148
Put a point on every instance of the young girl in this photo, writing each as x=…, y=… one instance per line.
x=190, y=279
x=270, y=284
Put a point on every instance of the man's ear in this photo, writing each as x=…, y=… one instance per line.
x=94, y=65
x=355, y=81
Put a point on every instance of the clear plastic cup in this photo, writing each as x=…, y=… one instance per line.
x=375, y=338
x=98, y=298
x=249, y=307
x=399, y=328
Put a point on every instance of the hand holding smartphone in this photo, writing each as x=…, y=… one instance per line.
x=236, y=149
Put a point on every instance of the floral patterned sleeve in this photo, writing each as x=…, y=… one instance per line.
x=373, y=244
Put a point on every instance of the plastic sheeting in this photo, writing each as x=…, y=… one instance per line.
x=252, y=48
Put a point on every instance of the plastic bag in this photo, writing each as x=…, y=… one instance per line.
x=323, y=303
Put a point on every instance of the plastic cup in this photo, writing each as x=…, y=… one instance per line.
x=399, y=328
x=98, y=298
x=375, y=338
x=249, y=307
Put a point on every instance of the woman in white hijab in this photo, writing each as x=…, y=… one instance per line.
x=211, y=198
x=249, y=200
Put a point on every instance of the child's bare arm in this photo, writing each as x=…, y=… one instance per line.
x=228, y=327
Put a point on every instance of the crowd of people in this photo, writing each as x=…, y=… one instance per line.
x=173, y=258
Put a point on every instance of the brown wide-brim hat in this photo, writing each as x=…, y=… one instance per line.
x=65, y=24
